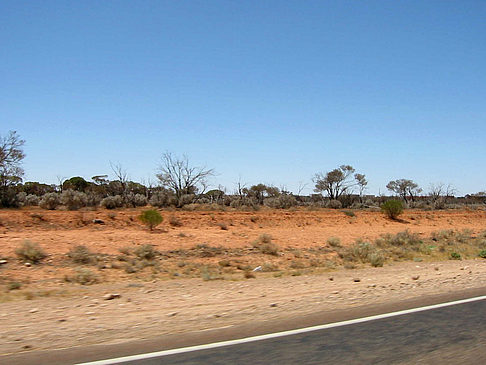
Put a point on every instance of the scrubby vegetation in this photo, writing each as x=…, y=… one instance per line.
x=151, y=218
x=392, y=208
x=30, y=252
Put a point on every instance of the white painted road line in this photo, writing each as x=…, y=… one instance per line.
x=278, y=334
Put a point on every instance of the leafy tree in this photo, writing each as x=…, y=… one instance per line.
x=37, y=188
x=178, y=174
x=76, y=183
x=406, y=189
x=11, y=172
x=338, y=182
x=362, y=184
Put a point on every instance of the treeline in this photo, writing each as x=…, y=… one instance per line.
x=180, y=184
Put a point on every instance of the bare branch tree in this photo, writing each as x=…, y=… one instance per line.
x=176, y=173
x=301, y=187
x=240, y=187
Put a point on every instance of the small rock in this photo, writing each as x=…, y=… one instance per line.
x=331, y=278
x=34, y=310
x=62, y=320
x=273, y=305
x=28, y=264
x=3, y=262
x=416, y=277
x=90, y=313
x=356, y=280
x=436, y=268
x=172, y=314
x=111, y=296
x=26, y=347
x=98, y=221
x=335, y=292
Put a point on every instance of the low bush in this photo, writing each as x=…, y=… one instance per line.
x=174, y=221
x=151, y=218
x=31, y=200
x=265, y=245
x=112, y=202
x=50, y=201
x=82, y=276
x=364, y=252
x=334, y=242
x=482, y=254
x=392, y=208
x=73, y=200
x=136, y=200
x=284, y=201
x=145, y=252
x=30, y=252
x=455, y=256
x=334, y=204
x=81, y=255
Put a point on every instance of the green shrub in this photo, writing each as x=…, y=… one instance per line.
x=30, y=252
x=455, y=256
x=482, y=254
x=392, y=208
x=151, y=218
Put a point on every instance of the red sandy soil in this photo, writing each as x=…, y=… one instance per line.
x=155, y=305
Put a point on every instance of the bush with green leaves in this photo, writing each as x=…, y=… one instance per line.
x=482, y=254
x=50, y=201
x=73, y=200
x=392, y=208
x=30, y=252
x=112, y=202
x=151, y=218
x=455, y=256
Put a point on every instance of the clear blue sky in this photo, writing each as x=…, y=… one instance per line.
x=272, y=91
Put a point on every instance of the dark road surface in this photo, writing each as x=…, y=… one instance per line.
x=450, y=335
x=454, y=333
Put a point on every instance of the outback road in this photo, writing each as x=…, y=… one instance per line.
x=453, y=334
x=440, y=334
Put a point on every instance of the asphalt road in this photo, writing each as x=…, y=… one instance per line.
x=450, y=335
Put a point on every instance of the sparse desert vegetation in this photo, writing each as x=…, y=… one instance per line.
x=89, y=247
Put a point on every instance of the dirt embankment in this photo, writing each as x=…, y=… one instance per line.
x=299, y=271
